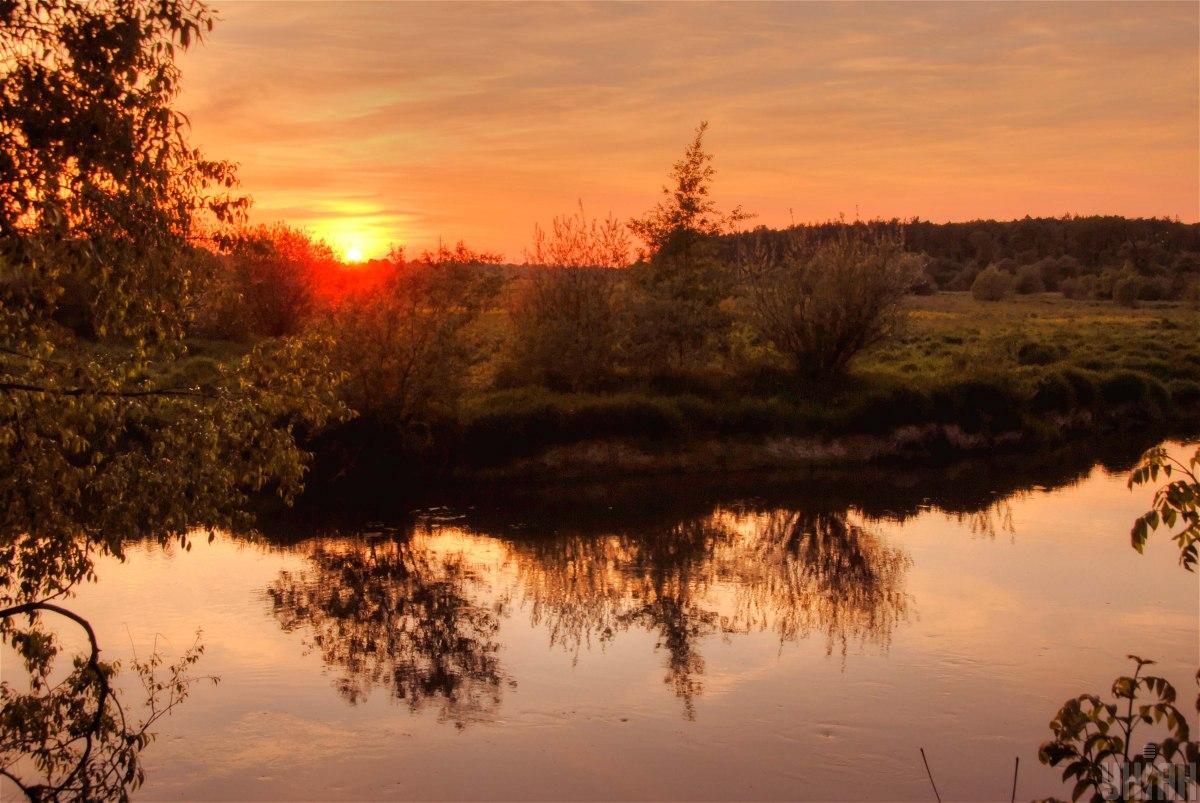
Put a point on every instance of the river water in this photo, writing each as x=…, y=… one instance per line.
x=699, y=638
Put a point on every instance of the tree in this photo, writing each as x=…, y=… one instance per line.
x=406, y=346
x=566, y=318
x=687, y=206
x=1175, y=503
x=992, y=284
x=676, y=318
x=820, y=304
x=276, y=271
x=1127, y=289
x=1093, y=738
x=103, y=436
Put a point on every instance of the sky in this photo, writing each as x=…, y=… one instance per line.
x=381, y=123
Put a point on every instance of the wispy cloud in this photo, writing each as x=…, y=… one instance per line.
x=402, y=122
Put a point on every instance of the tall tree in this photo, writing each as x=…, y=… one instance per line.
x=105, y=434
x=677, y=320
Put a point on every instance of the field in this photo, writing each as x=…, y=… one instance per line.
x=952, y=332
x=963, y=375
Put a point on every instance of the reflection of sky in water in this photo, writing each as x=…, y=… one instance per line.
x=804, y=677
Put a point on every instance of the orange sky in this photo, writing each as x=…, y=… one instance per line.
x=372, y=123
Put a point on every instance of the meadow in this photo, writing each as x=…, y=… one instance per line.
x=960, y=375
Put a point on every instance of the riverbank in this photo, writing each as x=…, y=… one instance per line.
x=964, y=377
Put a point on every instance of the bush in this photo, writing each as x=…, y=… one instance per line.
x=565, y=328
x=273, y=271
x=1053, y=393
x=565, y=321
x=979, y=403
x=1029, y=280
x=885, y=409
x=992, y=284
x=1035, y=353
x=1085, y=385
x=821, y=304
x=406, y=348
x=1082, y=287
x=1127, y=290
x=1191, y=295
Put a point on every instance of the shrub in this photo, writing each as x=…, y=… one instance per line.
x=1081, y=287
x=1029, y=280
x=406, y=348
x=885, y=409
x=1053, y=393
x=1106, y=280
x=1085, y=385
x=1035, y=353
x=1191, y=295
x=992, y=284
x=273, y=271
x=1127, y=290
x=821, y=304
x=565, y=321
x=979, y=403
x=964, y=279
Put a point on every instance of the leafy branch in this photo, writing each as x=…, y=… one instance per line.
x=1177, y=502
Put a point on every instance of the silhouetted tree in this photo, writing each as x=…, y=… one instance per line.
x=101, y=195
x=820, y=304
x=565, y=319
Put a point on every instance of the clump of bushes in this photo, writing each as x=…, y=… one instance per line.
x=407, y=348
x=1127, y=289
x=1033, y=352
x=1082, y=287
x=992, y=284
x=821, y=304
x=1029, y=280
x=566, y=320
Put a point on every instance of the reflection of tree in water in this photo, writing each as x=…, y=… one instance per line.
x=996, y=517
x=394, y=612
x=796, y=573
x=819, y=572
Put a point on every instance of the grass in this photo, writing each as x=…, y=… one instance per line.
x=1040, y=366
x=963, y=373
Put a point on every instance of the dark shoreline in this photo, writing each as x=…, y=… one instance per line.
x=887, y=487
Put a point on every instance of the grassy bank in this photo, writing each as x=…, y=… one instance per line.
x=964, y=375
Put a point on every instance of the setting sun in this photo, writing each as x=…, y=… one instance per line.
x=354, y=254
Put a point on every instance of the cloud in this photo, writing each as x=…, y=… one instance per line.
x=477, y=120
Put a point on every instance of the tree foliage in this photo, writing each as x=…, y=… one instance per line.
x=1177, y=503
x=106, y=434
x=407, y=347
x=1093, y=738
x=566, y=318
x=820, y=304
x=687, y=206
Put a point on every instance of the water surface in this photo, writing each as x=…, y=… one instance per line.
x=757, y=638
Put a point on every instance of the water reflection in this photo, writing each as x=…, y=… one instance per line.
x=404, y=610
x=387, y=611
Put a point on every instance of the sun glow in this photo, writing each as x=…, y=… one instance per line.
x=354, y=254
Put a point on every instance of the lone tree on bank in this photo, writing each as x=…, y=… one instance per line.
x=103, y=436
x=676, y=318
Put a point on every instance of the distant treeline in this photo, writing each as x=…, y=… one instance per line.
x=1042, y=254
